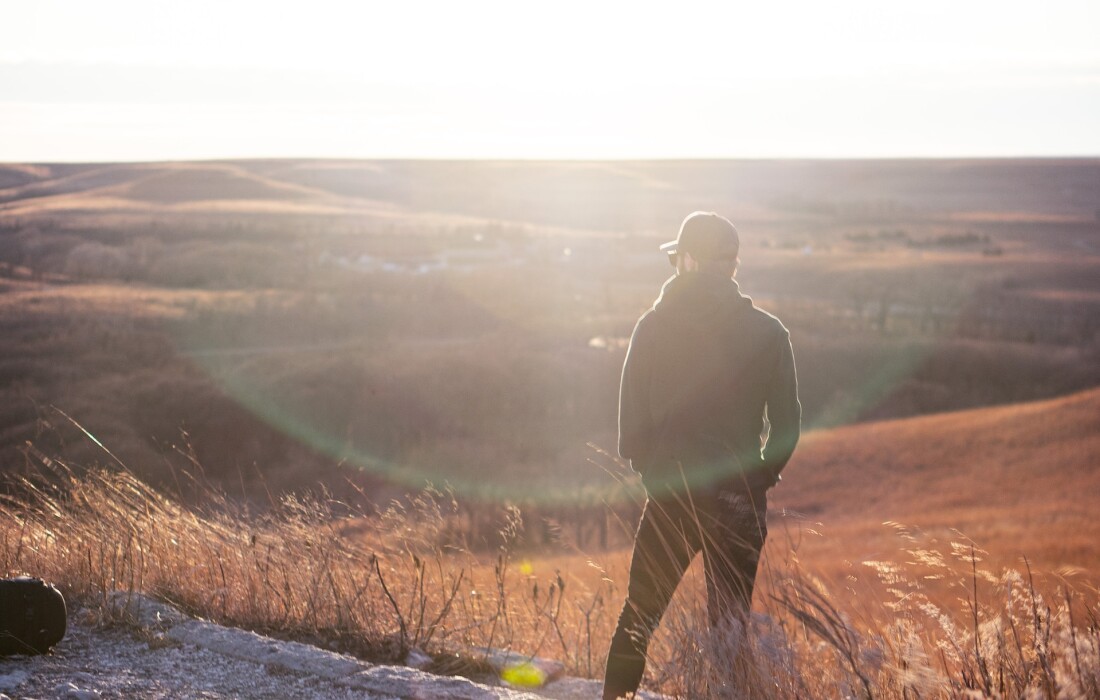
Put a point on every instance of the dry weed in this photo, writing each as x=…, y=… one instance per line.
x=935, y=623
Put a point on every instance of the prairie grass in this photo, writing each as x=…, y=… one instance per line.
x=311, y=568
x=932, y=623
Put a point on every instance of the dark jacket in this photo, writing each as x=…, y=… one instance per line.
x=703, y=365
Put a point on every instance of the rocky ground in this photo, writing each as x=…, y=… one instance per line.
x=164, y=654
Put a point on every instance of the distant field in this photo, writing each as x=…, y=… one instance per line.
x=288, y=321
x=1019, y=480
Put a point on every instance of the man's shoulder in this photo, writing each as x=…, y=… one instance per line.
x=743, y=314
x=650, y=317
x=767, y=321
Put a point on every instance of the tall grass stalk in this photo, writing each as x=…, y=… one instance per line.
x=934, y=624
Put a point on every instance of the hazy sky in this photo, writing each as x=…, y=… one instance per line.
x=152, y=79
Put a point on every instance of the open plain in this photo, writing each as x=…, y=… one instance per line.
x=349, y=332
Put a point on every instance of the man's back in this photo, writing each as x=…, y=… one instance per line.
x=702, y=366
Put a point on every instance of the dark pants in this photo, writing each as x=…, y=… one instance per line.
x=727, y=526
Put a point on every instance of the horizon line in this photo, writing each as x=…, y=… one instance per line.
x=537, y=159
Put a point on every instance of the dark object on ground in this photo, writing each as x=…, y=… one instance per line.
x=32, y=616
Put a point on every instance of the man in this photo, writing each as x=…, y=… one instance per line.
x=703, y=368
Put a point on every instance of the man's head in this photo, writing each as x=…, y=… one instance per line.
x=707, y=243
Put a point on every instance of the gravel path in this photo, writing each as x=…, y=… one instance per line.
x=124, y=663
x=167, y=655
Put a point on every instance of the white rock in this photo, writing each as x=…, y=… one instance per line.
x=10, y=681
x=250, y=646
x=294, y=669
x=584, y=689
x=69, y=691
x=501, y=661
x=144, y=610
x=417, y=659
x=397, y=681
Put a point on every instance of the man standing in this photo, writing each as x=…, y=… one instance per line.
x=703, y=369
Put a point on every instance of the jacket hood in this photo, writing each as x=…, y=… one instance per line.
x=702, y=295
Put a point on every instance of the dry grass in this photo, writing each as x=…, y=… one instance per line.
x=932, y=621
x=1021, y=479
x=113, y=300
x=310, y=568
x=843, y=613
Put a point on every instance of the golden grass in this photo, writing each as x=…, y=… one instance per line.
x=1018, y=217
x=929, y=618
x=846, y=606
x=1021, y=479
x=1065, y=295
x=139, y=302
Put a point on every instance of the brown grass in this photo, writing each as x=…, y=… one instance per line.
x=847, y=608
x=1020, y=479
x=860, y=606
x=929, y=618
x=100, y=300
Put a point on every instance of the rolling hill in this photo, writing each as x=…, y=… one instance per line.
x=383, y=299
x=1020, y=480
x=612, y=196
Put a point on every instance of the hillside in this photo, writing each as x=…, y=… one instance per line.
x=1020, y=480
x=582, y=196
x=284, y=322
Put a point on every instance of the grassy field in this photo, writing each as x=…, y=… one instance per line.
x=270, y=355
x=1021, y=480
x=847, y=604
x=415, y=321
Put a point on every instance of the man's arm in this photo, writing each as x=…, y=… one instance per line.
x=784, y=410
x=635, y=417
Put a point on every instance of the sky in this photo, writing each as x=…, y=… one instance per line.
x=139, y=80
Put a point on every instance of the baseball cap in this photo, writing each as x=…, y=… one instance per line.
x=707, y=236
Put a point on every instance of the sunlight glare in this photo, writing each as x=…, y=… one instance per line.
x=578, y=80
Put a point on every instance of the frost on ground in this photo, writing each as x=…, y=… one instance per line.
x=166, y=655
